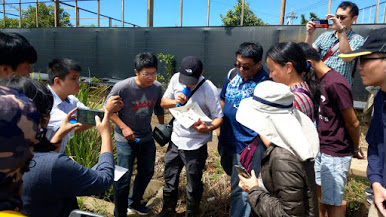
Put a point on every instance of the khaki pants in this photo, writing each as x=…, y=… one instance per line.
x=373, y=211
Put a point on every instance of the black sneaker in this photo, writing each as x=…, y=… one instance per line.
x=140, y=210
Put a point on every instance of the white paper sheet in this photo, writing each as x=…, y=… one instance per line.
x=119, y=172
x=189, y=114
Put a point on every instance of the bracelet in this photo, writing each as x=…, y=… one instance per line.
x=357, y=150
x=210, y=128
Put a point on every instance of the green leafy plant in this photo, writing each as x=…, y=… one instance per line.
x=169, y=69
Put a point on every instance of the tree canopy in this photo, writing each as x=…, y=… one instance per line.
x=312, y=15
x=233, y=17
x=46, y=17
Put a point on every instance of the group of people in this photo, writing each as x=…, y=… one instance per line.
x=297, y=122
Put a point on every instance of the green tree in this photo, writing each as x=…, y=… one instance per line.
x=233, y=17
x=312, y=15
x=46, y=16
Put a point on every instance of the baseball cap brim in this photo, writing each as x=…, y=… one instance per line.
x=187, y=80
x=356, y=53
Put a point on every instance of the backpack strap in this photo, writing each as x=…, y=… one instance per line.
x=334, y=49
x=301, y=90
x=231, y=74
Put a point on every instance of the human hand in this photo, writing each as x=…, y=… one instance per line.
x=359, y=154
x=114, y=104
x=66, y=126
x=181, y=99
x=201, y=127
x=103, y=126
x=310, y=27
x=336, y=25
x=379, y=197
x=247, y=183
x=128, y=133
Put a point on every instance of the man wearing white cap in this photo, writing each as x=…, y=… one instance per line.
x=372, y=66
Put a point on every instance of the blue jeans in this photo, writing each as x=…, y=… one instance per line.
x=126, y=154
x=229, y=158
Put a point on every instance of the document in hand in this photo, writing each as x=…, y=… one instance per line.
x=189, y=114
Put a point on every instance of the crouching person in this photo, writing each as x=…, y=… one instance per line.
x=188, y=146
x=287, y=184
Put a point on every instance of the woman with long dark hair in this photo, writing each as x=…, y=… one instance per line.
x=287, y=64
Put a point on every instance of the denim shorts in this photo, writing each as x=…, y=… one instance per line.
x=331, y=174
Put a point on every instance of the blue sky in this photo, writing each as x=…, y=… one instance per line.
x=167, y=12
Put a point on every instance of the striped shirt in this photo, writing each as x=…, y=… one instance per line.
x=327, y=40
x=302, y=101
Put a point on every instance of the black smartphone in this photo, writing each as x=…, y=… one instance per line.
x=320, y=23
x=242, y=171
x=87, y=116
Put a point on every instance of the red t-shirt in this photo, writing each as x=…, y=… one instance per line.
x=336, y=96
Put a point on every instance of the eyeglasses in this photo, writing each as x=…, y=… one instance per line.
x=149, y=75
x=341, y=17
x=363, y=59
x=244, y=67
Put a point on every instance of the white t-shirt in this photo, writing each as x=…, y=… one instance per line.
x=59, y=111
x=208, y=98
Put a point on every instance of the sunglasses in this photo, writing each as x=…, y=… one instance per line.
x=363, y=59
x=244, y=67
x=341, y=17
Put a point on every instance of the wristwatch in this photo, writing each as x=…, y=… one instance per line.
x=210, y=128
x=343, y=29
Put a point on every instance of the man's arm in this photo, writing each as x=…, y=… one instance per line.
x=310, y=33
x=126, y=130
x=352, y=126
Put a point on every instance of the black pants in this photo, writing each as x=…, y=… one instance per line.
x=194, y=162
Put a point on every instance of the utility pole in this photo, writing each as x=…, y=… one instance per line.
x=98, y=13
x=76, y=14
x=384, y=14
x=180, y=13
x=19, y=13
x=123, y=13
x=242, y=13
x=207, y=13
x=282, y=12
x=291, y=16
x=150, y=11
x=329, y=6
x=56, y=8
x=4, y=14
x=37, y=18
x=376, y=12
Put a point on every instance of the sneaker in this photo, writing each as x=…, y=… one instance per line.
x=140, y=210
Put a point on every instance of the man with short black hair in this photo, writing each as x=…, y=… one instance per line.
x=63, y=80
x=141, y=96
x=342, y=40
x=372, y=66
x=16, y=55
x=234, y=137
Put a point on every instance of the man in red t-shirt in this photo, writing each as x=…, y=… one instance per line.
x=338, y=129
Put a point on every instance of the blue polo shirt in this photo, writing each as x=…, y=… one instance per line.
x=376, y=137
x=233, y=134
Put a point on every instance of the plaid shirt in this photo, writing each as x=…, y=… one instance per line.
x=327, y=40
x=302, y=101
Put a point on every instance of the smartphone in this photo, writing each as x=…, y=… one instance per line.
x=321, y=23
x=242, y=171
x=87, y=116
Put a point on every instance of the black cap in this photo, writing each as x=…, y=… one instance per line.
x=190, y=70
x=375, y=43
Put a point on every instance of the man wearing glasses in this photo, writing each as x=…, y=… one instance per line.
x=342, y=40
x=141, y=96
x=234, y=137
x=372, y=66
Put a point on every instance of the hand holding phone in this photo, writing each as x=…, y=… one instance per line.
x=242, y=171
x=320, y=23
x=87, y=116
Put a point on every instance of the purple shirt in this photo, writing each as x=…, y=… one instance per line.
x=336, y=96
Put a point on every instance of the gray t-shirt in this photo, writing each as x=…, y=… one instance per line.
x=139, y=104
